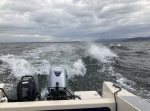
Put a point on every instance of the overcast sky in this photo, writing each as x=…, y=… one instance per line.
x=72, y=20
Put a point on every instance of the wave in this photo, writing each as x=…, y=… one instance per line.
x=77, y=69
x=19, y=66
x=101, y=52
x=108, y=58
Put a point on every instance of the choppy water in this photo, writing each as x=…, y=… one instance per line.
x=88, y=64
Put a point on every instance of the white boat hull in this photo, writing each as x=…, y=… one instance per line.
x=125, y=101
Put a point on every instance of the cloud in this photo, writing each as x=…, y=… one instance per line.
x=71, y=20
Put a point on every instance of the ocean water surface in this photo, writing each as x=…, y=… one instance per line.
x=88, y=64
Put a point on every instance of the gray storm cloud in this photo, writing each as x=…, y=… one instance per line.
x=72, y=20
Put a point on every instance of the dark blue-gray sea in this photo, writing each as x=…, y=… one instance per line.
x=88, y=64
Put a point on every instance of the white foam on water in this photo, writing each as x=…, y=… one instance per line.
x=77, y=68
x=101, y=52
x=125, y=82
x=18, y=65
x=119, y=45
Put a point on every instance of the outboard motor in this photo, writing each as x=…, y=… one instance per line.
x=27, y=89
x=58, y=84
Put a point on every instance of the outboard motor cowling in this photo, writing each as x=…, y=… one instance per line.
x=26, y=89
x=57, y=84
x=58, y=79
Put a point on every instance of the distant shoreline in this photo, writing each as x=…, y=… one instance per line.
x=125, y=39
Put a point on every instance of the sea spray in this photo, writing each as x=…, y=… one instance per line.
x=78, y=68
x=19, y=67
x=101, y=53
